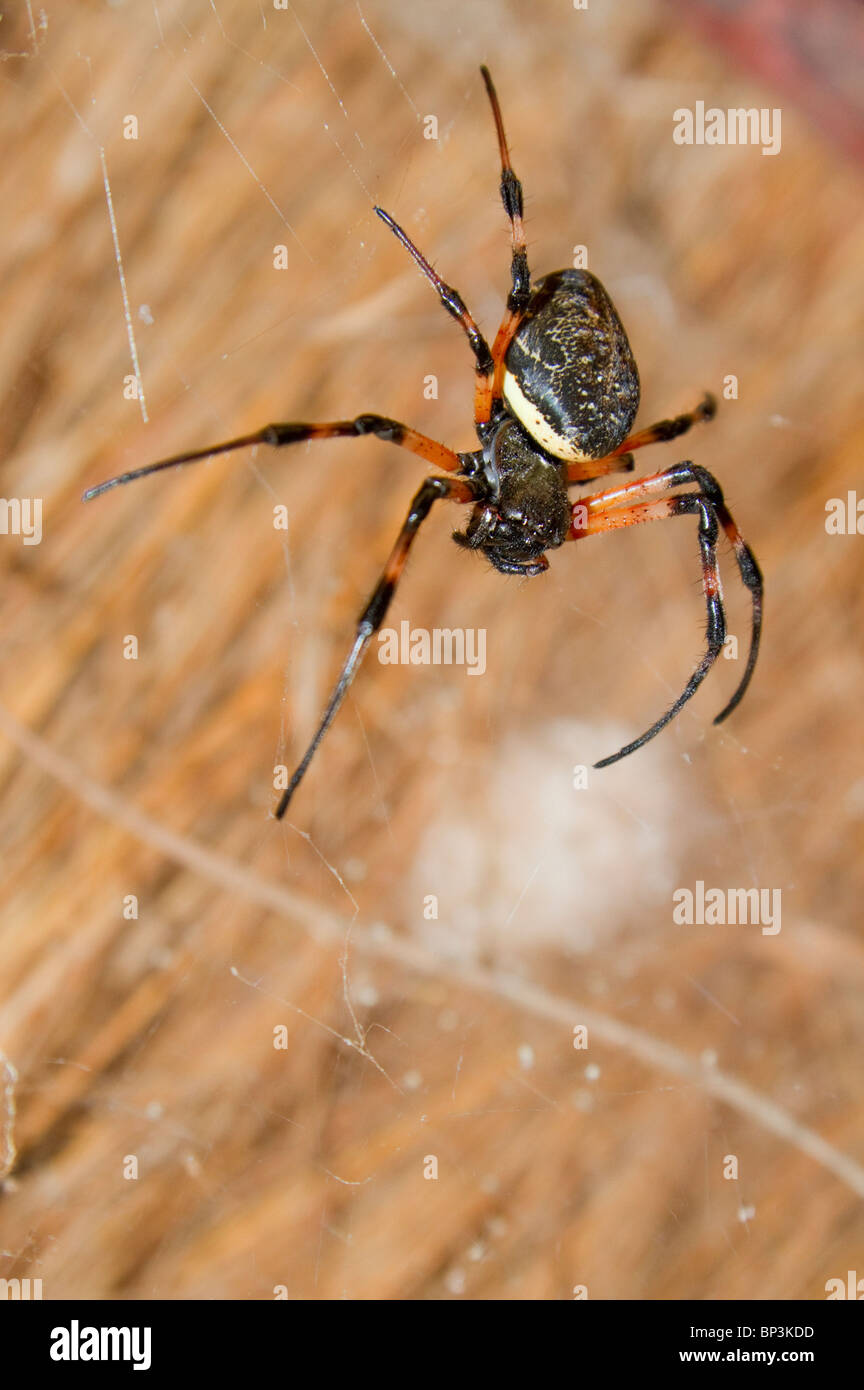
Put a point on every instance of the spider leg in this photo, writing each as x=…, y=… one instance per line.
x=295, y=433
x=511, y=197
x=489, y=390
x=430, y=491
x=586, y=470
x=613, y=509
x=689, y=503
x=450, y=297
x=583, y=471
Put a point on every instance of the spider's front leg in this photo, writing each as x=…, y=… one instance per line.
x=297, y=432
x=382, y=427
x=431, y=491
x=489, y=366
x=490, y=389
x=619, y=507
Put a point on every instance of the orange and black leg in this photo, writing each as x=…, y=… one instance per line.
x=511, y=197
x=621, y=459
x=489, y=390
x=431, y=491
x=628, y=506
x=454, y=489
x=489, y=365
x=296, y=433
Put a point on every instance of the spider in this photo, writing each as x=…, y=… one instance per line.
x=554, y=403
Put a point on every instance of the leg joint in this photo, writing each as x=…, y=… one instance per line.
x=694, y=504
x=380, y=425
x=521, y=291
x=692, y=473
x=511, y=193
x=430, y=491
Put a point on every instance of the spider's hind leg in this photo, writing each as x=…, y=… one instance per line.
x=616, y=508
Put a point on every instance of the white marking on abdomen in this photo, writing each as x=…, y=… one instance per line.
x=536, y=423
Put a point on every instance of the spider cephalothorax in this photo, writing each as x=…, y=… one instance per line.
x=555, y=399
x=527, y=510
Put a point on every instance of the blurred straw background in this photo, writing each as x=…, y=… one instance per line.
x=407, y=1037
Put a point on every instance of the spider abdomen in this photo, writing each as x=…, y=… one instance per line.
x=570, y=378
